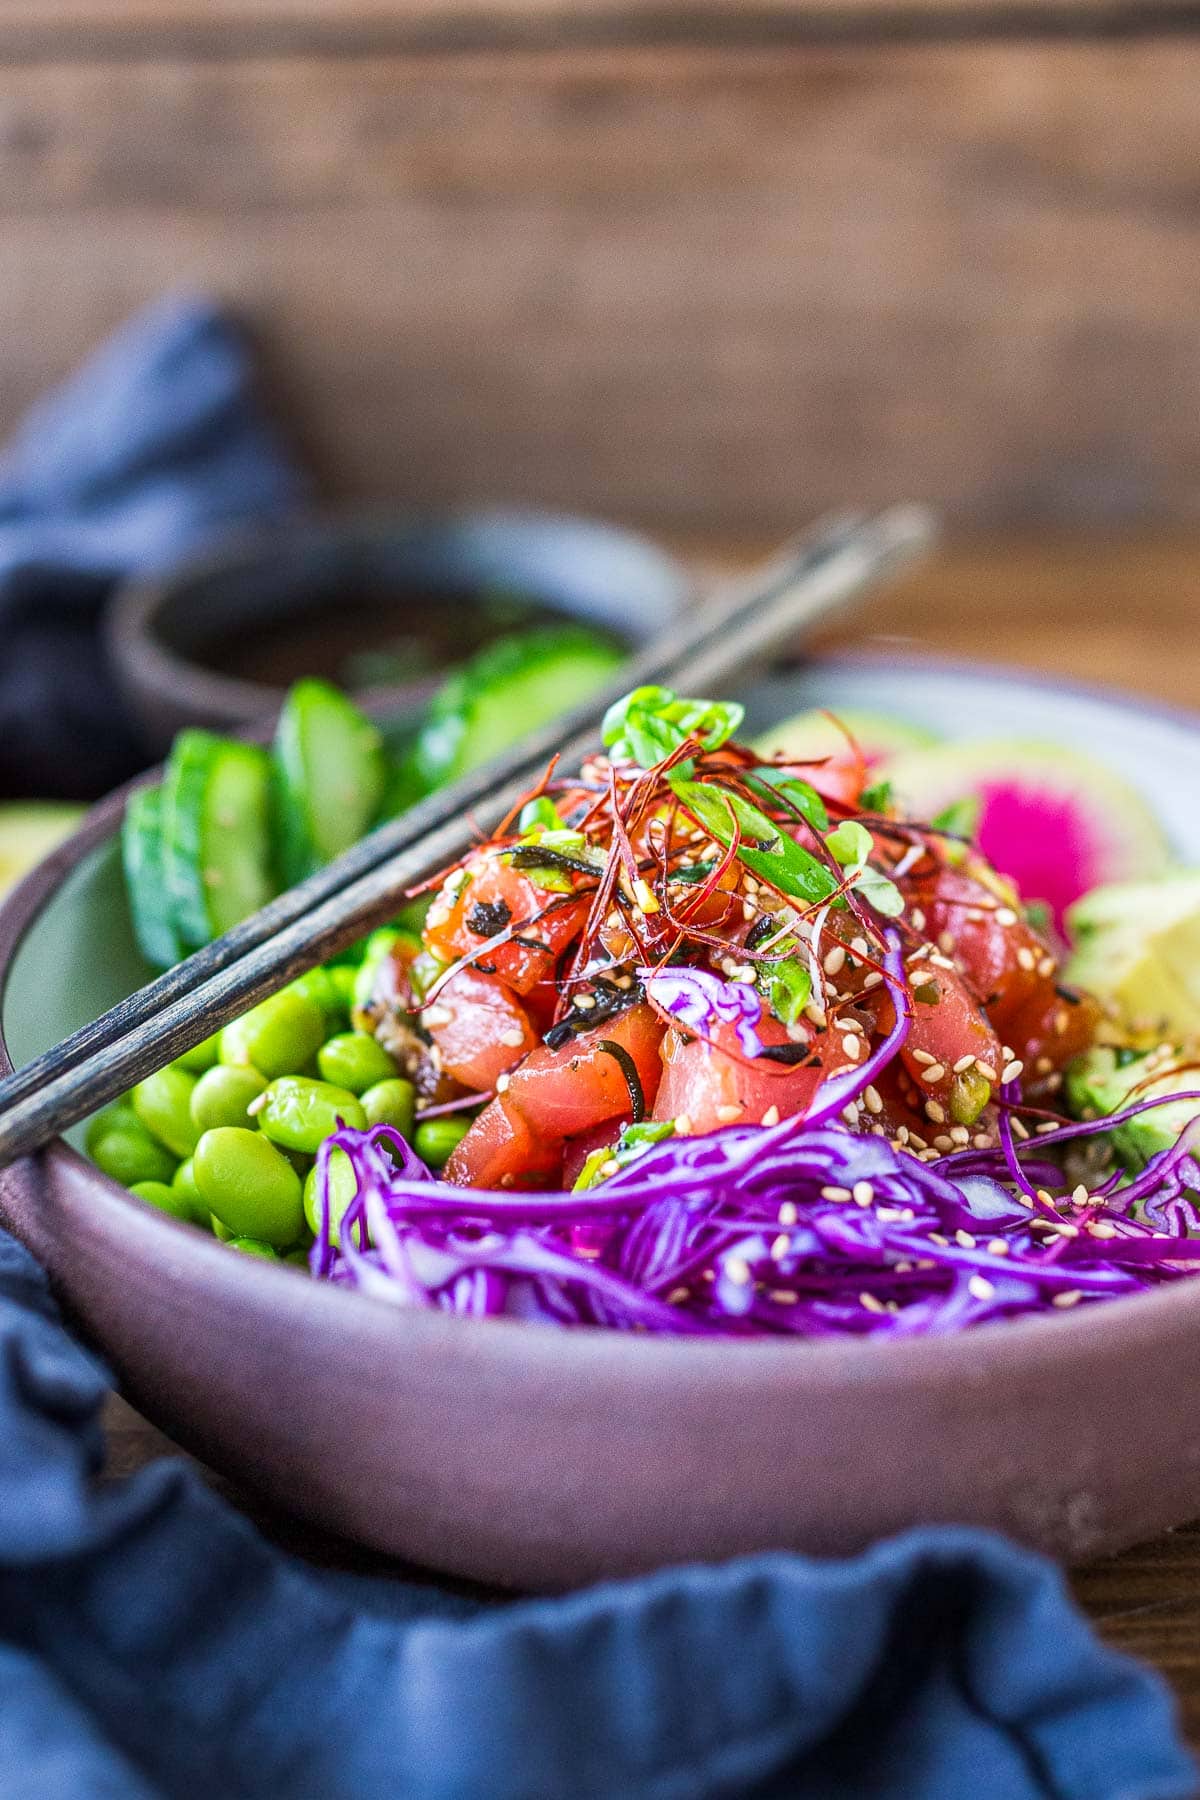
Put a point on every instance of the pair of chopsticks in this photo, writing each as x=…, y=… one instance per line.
x=739, y=628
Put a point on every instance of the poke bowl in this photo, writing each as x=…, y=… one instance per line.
x=506, y=1448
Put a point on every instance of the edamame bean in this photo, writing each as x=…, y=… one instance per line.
x=342, y=1189
x=163, y=1104
x=254, y=1247
x=201, y=1056
x=249, y=1185
x=319, y=986
x=184, y=1182
x=224, y=1095
x=120, y=1113
x=277, y=1037
x=393, y=1103
x=435, y=1139
x=221, y=1232
x=343, y=977
x=167, y=1199
x=128, y=1153
x=299, y=1114
x=299, y=1258
x=354, y=1060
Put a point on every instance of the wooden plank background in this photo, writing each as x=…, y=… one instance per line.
x=710, y=269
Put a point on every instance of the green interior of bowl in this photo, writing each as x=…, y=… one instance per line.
x=77, y=959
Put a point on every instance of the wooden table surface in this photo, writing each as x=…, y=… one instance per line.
x=1123, y=613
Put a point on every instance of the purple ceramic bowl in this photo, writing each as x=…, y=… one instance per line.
x=518, y=1454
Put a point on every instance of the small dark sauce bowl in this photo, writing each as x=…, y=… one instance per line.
x=383, y=605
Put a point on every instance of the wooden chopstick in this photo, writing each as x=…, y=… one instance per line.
x=736, y=630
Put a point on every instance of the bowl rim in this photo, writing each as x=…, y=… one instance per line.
x=140, y=654
x=1127, y=1318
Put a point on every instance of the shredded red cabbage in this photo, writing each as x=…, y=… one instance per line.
x=803, y=1228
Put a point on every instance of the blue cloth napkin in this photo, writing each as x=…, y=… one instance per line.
x=153, y=1643
x=156, y=444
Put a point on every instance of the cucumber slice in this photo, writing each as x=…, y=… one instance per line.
x=515, y=685
x=29, y=830
x=330, y=775
x=146, y=879
x=216, y=834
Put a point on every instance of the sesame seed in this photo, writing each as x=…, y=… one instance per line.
x=609, y=1166
x=943, y=1243
x=935, y=1072
x=871, y=1303
x=965, y=1239
x=902, y=1134
x=935, y=1112
x=613, y=920
x=963, y=1064
x=850, y=1113
x=738, y=1270
x=1069, y=1297
x=997, y=1247
x=727, y=1114
x=788, y=1213
x=959, y=1134
x=920, y=954
x=945, y=942
x=930, y=1155
x=1042, y=1066
x=923, y=1057
x=784, y=1296
x=1045, y=1196
x=624, y=982
x=677, y=1296
x=1061, y=1021
x=584, y=1002
x=852, y=1045
x=745, y=973
x=1102, y=1228
x=750, y=885
x=943, y=1143
x=872, y=1097
x=1005, y=915
x=836, y=1193
x=683, y=1126
x=501, y=1083
x=863, y=1193
x=780, y=1247
x=912, y=1138
x=513, y=1038
x=1026, y=959
x=1012, y=1071
x=983, y=1140
x=918, y=919
x=1046, y=966
x=873, y=979
x=834, y=960
x=986, y=1070
x=748, y=910
x=771, y=1116
x=1046, y=1127
x=860, y=946
x=1080, y=1195
x=436, y=1016
x=1020, y=1129
x=815, y=1014
x=259, y=1101
x=940, y=962
x=980, y=1287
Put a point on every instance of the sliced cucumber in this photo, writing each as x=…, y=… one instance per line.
x=515, y=685
x=216, y=834
x=146, y=879
x=330, y=775
x=29, y=830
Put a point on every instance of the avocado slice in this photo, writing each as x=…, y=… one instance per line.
x=1101, y=1081
x=1137, y=945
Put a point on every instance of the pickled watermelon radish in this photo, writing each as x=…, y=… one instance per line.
x=814, y=734
x=1055, y=821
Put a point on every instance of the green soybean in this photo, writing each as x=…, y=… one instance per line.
x=435, y=1139
x=343, y=977
x=249, y=1185
x=128, y=1153
x=299, y=1114
x=299, y=1258
x=163, y=1104
x=392, y=1102
x=167, y=1199
x=277, y=1037
x=201, y=1056
x=254, y=1247
x=219, y=1231
x=319, y=986
x=120, y=1113
x=355, y=1060
x=224, y=1095
x=342, y=1189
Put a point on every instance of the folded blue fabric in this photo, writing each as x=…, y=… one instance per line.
x=152, y=1643
x=158, y=442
